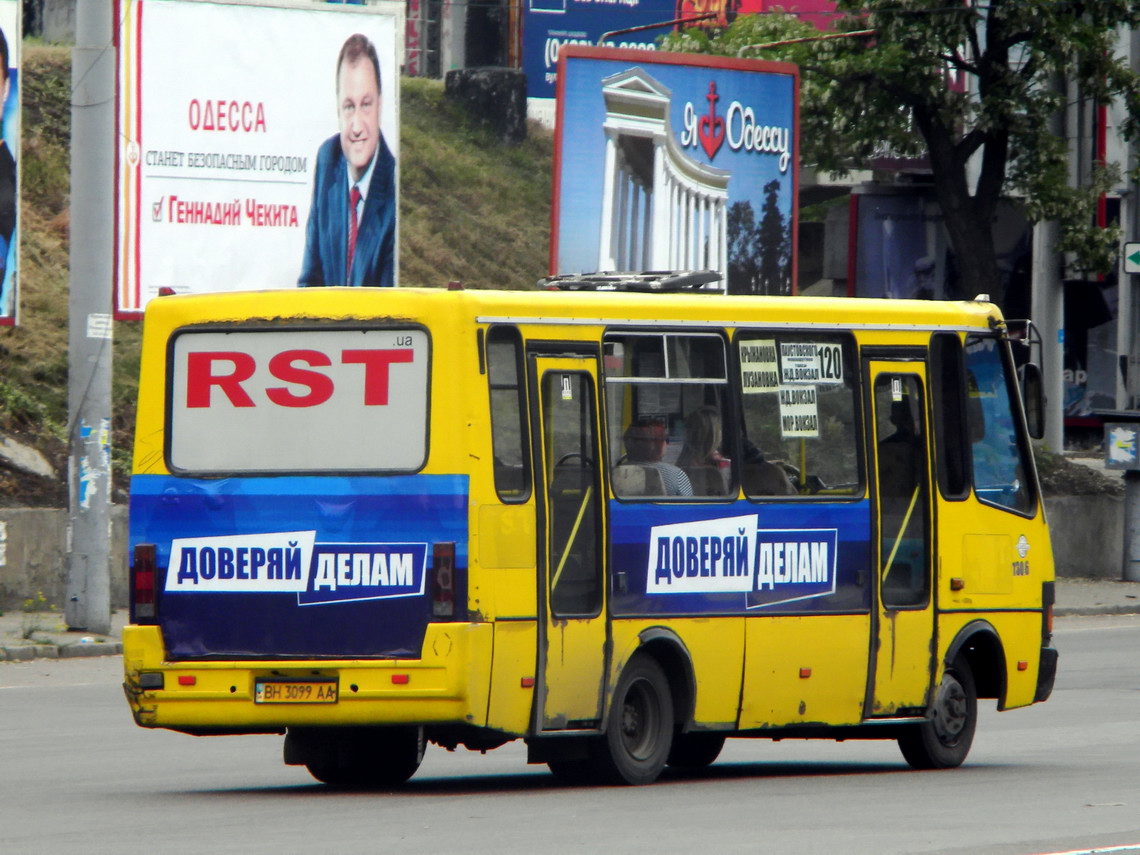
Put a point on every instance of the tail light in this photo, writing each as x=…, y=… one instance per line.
x=143, y=585
x=443, y=580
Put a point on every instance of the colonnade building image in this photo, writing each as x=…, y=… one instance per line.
x=661, y=208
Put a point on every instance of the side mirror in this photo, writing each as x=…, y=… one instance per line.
x=1033, y=398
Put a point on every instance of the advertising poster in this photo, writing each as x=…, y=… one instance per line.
x=246, y=164
x=549, y=25
x=9, y=153
x=900, y=249
x=676, y=162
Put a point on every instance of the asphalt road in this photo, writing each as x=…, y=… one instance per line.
x=76, y=776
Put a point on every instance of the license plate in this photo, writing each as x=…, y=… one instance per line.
x=295, y=692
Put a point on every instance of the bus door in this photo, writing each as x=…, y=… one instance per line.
x=902, y=659
x=571, y=591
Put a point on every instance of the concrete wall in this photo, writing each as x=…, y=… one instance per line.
x=33, y=556
x=1087, y=534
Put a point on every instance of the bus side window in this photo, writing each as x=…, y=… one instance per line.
x=799, y=414
x=508, y=414
x=951, y=441
x=666, y=396
x=999, y=450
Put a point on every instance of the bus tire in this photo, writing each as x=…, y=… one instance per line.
x=370, y=758
x=695, y=750
x=943, y=741
x=639, y=730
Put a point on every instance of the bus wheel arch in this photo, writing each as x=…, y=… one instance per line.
x=979, y=644
x=666, y=647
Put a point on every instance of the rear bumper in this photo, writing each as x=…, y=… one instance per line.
x=1046, y=674
x=448, y=684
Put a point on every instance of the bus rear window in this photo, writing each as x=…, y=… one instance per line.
x=292, y=400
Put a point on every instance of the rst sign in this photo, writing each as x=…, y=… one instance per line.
x=298, y=401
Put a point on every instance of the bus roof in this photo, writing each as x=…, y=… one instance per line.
x=569, y=308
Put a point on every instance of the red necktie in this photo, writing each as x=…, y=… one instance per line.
x=353, y=200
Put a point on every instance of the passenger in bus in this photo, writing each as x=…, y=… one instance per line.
x=645, y=440
x=762, y=477
x=700, y=456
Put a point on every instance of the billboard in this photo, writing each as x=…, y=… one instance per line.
x=899, y=248
x=236, y=156
x=550, y=25
x=676, y=162
x=10, y=40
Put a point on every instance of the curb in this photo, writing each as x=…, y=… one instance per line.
x=74, y=650
x=1083, y=611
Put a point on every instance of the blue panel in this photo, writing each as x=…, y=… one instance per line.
x=743, y=558
x=549, y=24
x=298, y=566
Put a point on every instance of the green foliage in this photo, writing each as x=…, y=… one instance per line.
x=888, y=93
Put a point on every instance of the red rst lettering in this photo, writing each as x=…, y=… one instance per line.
x=320, y=385
x=376, y=364
x=200, y=377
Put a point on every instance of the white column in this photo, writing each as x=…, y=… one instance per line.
x=630, y=261
x=701, y=230
x=647, y=227
x=714, y=233
x=724, y=240
x=609, y=201
x=622, y=225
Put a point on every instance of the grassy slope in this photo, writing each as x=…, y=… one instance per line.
x=470, y=209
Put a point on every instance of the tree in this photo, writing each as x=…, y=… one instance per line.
x=891, y=91
x=773, y=240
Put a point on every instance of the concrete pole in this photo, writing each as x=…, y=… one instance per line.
x=89, y=338
x=1049, y=315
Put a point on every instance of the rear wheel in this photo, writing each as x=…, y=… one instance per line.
x=376, y=757
x=639, y=728
x=944, y=740
x=695, y=750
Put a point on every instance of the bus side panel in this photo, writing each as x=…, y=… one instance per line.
x=513, y=666
x=805, y=670
x=716, y=649
x=505, y=541
x=1020, y=634
x=999, y=562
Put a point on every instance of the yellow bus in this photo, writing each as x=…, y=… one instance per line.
x=620, y=526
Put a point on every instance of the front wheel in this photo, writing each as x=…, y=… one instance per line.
x=943, y=741
x=639, y=728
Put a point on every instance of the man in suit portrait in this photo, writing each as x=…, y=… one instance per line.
x=350, y=238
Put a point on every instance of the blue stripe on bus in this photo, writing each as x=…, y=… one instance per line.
x=741, y=558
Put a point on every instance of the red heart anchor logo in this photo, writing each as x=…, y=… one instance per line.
x=710, y=129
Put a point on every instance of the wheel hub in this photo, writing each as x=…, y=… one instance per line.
x=951, y=710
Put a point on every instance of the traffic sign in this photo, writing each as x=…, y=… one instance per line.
x=1132, y=257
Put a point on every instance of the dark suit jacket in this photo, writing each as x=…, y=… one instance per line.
x=326, y=235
